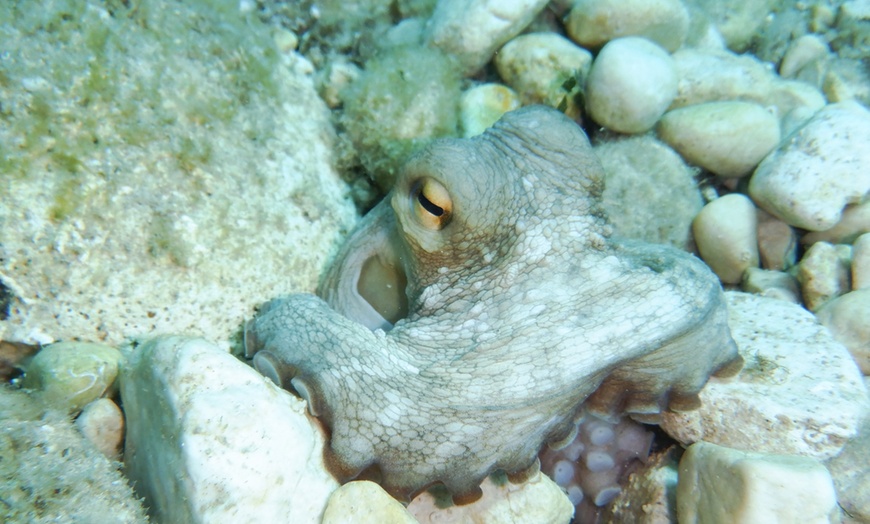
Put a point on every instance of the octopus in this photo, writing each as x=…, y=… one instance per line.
x=477, y=311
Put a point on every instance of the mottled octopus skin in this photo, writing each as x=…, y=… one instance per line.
x=522, y=311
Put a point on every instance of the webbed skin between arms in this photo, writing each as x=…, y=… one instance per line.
x=519, y=312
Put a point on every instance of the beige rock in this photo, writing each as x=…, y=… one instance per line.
x=848, y=318
x=69, y=375
x=725, y=232
x=802, y=51
x=774, y=284
x=861, y=262
x=777, y=242
x=538, y=65
x=854, y=223
x=364, y=502
x=102, y=423
x=472, y=30
x=631, y=84
x=482, y=105
x=799, y=393
x=819, y=170
x=593, y=23
x=727, y=138
x=824, y=274
x=211, y=440
x=720, y=485
x=537, y=500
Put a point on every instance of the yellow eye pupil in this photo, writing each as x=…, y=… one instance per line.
x=431, y=203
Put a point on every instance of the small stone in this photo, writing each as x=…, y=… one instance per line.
x=336, y=76
x=847, y=79
x=364, y=502
x=854, y=223
x=472, y=30
x=286, y=41
x=773, y=284
x=777, y=242
x=69, y=375
x=538, y=500
x=593, y=23
x=538, y=65
x=802, y=51
x=727, y=138
x=739, y=21
x=824, y=274
x=720, y=485
x=631, y=84
x=726, y=235
x=848, y=318
x=643, y=177
x=861, y=262
x=851, y=473
x=817, y=171
x=799, y=392
x=481, y=106
x=102, y=423
x=211, y=440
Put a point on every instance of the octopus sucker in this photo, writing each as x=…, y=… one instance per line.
x=519, y=311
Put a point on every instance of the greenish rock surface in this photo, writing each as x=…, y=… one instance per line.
x=161, y=161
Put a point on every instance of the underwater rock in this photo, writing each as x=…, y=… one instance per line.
x=481, y=106
x=593, y=23
x=727, y=237
x=364, y=502
x=102, y=423
x=824, y=273
x=847, y=318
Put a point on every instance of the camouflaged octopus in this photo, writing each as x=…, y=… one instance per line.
x=482, y=306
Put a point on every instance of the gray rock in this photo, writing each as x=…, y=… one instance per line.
x=851, y=475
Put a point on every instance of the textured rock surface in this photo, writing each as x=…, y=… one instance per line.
x=649, y=496
x=818, y=170
x=210, y=439
x=720, y=485
x=152, y=155
x=767, y=407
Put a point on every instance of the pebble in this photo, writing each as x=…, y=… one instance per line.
x=854, y=223
x=847, y=318
x=642, y=177
x=799, y=392
x=824, y=273
x=364, y=502
x=802, y=51
x=777, y=242
x=774, y=284
x=481, y=106
x=593, y=23
x=102, y=423
x=726, y=234
x=738, y=21
x=631, y=84
x=538, y=65
x=818, y=170
x=211, y=440
x=69, y=375
x=720, y=485
x=331, y=80
x=861, y=262
x=472, y=30
x=727, y=138
x=850, y=472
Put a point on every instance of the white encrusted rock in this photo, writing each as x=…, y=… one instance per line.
x=471, y=30
x=631, y=84
x=727, y=138
x=824, y=273
x=818, y=170
x=211, y=440
x=481, y=106
x=364, y=502
x=848, y=318
x=593, y=23
x=799, y=393
x=720, y=485
x=726, y=235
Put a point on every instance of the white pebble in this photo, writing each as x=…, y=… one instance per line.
x=854, y=223
x=728, y=138
x=801, y=52
x=599, y=461
x=631, y=84
x=726, y=235
x=593, y=23
x=481, y=106
x=861, y=262
x=819, y=170
x=102, y=423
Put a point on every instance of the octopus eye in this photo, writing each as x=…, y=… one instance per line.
x=431, y=203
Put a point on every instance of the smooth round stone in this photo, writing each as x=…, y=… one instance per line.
x=593, y=23
x=802, y=51
x=69, y=375
x=482, y=106
x=537, y=65
x=728, y=138
x=726, y=235
x=819, y=170
x=846, y=316
x=631, y=84
x=102, y=423
x=861, y=263
x=824, y=273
